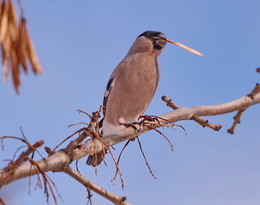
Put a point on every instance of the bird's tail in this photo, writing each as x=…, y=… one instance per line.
x=95, y=159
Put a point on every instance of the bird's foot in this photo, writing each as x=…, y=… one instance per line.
x=149, y=118
x=133, y=125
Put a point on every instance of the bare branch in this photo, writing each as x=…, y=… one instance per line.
x=173, y=116
x=60, y=160
x=99, y=190
x=203, y=123
x=169, y=102
x=55, y=162
x=23, y=156
x=237, y=120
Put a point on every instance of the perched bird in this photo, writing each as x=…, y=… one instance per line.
x=132, y=85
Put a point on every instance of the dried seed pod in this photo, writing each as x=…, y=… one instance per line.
x=29, y=48
x=15, y=70
x=16, y=45
x=4, y=20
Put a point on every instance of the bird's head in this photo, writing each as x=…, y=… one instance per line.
x=153, y=42
x=149, y=41
x=157, y=39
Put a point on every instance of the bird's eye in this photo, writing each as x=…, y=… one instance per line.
x=148, y=35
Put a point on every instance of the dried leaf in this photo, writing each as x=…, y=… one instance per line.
x=30, y=49
x=1, y=6
x=16, y=45
x=6, y=54
x=22, y=58
x=6, y=48
x=15, y=71
x=12, y=23
x=21, y=52
x=4, y=20
x=13, y=32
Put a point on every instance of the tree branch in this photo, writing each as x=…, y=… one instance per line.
x=203, y=123
x=90, y=185
x=60, y=160
x=55, y=162
x=183, y=113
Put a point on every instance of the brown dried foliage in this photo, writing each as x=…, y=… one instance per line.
x=48, y=185
x=16, y=45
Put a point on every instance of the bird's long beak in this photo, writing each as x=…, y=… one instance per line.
x=185, y=47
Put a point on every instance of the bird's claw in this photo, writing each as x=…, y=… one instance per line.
x=149, y=118
x=133, y=125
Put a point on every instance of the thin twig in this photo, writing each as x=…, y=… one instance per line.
x=48, y=183
x=169, y=102
x=158, y=131
x=81, y=111
x=255, y=91
x=36, y=145
x=148, y=123
x=77, y=131
x=89, y=196
x=23, y=156
x=17, y=150
x=78, y=123
x=26, y=153
x=88, y=131
x=146, y=162
x=115, y=162
x=119, y=157
x=237, y=120
x=23, y=134
x=205, y=123
x=183, y=128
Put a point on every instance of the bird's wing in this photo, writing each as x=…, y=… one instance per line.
x=109, y=87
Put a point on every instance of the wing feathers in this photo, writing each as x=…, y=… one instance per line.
x=109, y=87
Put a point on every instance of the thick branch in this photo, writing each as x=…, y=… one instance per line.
x=170, y=117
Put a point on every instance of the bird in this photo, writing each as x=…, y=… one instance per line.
x=132, y=85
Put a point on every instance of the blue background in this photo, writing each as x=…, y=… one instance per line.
x=79, y=43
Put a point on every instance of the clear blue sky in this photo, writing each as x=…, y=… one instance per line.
x=79, y=44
